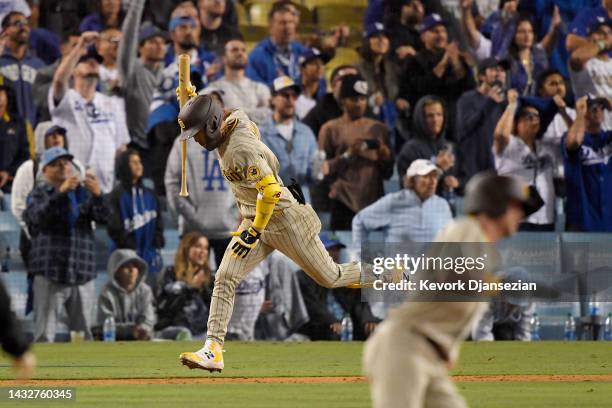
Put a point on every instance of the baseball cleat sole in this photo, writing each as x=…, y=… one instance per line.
x=192, y=364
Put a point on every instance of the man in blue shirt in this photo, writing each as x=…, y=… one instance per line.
x=414, y=214
x=290, y=140
x=579, y=29
x=587, y=154
x=279, y=53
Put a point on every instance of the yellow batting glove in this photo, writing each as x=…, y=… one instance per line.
x=246, y=240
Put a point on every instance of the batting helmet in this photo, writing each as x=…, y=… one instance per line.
x=202, y=112
x=491, y=194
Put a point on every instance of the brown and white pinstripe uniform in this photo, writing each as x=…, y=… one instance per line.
x=293, y=229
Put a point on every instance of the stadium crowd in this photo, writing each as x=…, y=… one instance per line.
x=411, y=100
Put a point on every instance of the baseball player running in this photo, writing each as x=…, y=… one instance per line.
x=272, y=218
x=408, y=357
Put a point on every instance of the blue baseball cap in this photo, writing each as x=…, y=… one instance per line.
x=177, y=21
x=331, y=240
x=597, y=21
x=430, y=21
x=373, y=29
x=54, y=153
x=312, y=53
x=148, y=31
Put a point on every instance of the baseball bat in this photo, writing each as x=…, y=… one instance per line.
x=183, y=94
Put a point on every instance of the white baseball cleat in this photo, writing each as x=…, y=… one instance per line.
x=209, y=357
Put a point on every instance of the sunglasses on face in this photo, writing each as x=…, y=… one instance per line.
x=19, y=23
x=530, y=115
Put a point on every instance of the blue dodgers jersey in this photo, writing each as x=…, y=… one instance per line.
x=588, y=174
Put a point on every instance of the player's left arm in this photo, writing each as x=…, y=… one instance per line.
x=269, y=192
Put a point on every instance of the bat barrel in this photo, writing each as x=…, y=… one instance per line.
x=183, y=94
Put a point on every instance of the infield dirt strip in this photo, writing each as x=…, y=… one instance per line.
x=299, y=380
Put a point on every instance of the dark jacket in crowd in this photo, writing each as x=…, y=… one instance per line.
x=325, y=110
x=321, y=318
x=12, y=338
x=477, y=116
x=179, y=304
x=62, y=238
x=128, y=308
x=135, y=220
x=14, y=148
x=420, y=145
x=419, y=80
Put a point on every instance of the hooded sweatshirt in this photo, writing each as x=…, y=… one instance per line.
x=135, y=221
x=128, y=308
x=421, y=145
x=210, y=207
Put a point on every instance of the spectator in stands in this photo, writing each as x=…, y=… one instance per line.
x=413, y=214
x=13, y=340
x=95, y=127
x=290, y=140
x=439, y=69
x=516, y=41
x=59, y=217
x=29, y=175
x=210, y=208
x=238, y=91
x=381, y=73
x=519, y=152
x=313, y=88
x=135, y=220
x=216, y=28
x=278, y=54
x=127, y=298
x=185, y=289
x=18, y=66
x=107, y=46
x=14, y=148
x=107, y=15
x=428, y=141
x=357, y=149
x=323, y=324
x=477, y=114
x=404, y=32
x=588, y=168
x=329, y=108
x=44, y=77
x=551, y=84
x=590, y=63
x=578, y=30
x=140, y=62
x=185, y=35
x=507, y=319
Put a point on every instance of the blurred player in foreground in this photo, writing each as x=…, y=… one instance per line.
x=408, y=358
x=274, y=217
x=13, y=339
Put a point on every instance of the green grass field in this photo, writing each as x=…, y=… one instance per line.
x=160, y=360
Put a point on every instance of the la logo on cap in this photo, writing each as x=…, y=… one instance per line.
x=361, y=87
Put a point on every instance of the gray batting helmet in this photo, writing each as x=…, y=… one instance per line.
x=490, y=194
x=202, y=112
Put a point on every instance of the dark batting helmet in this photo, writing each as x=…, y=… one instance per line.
x=491, y=194
x=202, y=112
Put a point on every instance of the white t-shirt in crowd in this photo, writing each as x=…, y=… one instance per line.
x=535, y=168
x=303, y=105
x=286, y=130
x=95, y=131
x=554, y=133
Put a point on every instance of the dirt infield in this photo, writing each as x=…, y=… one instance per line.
x=296, y=380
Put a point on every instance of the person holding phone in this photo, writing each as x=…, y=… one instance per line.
x=357, y=149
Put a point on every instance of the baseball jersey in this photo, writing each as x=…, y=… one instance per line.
x=446, y=323
x=245, y=160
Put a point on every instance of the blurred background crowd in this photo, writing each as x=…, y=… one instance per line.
x=381, y=109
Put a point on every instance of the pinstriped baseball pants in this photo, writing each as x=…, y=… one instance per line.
x=294, y=232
